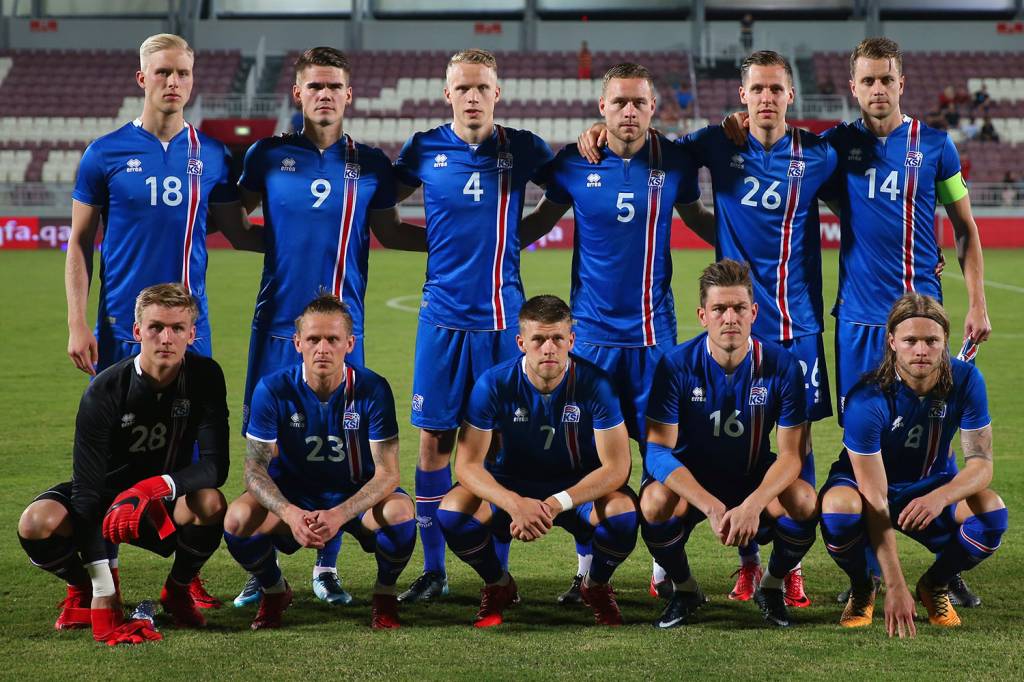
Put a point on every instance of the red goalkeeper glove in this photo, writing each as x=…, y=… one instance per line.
x=109, y=625
x=121, y=522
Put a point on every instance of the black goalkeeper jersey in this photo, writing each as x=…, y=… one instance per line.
x=127, y=430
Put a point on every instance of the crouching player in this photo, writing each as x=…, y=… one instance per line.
x=897, y=471
x=137, y=426
x=563, y=461
x=713, y=404
x=322, y=456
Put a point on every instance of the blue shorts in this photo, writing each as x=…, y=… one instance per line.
x=631, y=369
x=810, y=353
x=447, y=364
x=299, y=495
x=269, y=353
x=859, y=349
x=112, y=349
x=938, y=533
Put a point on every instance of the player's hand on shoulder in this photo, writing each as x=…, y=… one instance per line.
x=735, y=127
x=900, y=612
x=591, y=141
x=977, y=326
x=83, y=349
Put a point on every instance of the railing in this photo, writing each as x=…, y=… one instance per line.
x=236, y=106
x=825, y=107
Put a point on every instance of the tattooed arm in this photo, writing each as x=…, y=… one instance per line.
x=973, y=478
x=259, y=484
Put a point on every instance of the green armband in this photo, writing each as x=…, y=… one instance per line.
x=952, y=189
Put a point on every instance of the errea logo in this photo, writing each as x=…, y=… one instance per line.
x=697, y=396
x=288, y=165
x=521, y=415
x=133, y=166
x=855, y=155
x=594, y=180
x=441, y=161
x=127, y=420
x=297, y=420
x=736, y=161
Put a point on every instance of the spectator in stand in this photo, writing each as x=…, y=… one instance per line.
x=988, y=131
x=970, y=129
x=982, y=100
x=584, y=62
x=935, y=119
x=952, y=116
x=947, y=98
x=747, y=34
x=1011, y=187
x=962, y=99
x=684, y=97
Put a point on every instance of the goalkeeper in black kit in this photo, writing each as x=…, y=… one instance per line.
x=135, y=478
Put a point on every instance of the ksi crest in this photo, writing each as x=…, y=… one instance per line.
x=796, y=169
x=504, y=161
x=351, y=171
x=758, y=395
x=656, y=178
x=914, y=159
x=351, y=421
x=937, y=409
x=195, y=167
x=180, y=408
x=571, y=414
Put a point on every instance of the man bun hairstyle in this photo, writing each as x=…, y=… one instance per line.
x=908, y=306
x=325, y=303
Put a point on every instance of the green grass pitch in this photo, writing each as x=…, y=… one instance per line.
x=39, y=396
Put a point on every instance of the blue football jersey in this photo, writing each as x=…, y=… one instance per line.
x=154, y=205
x=317, y=233
x=545, y=439
x=766, y=213
x=473, y=200
x=913, y=434
x=323, y=446
x=622, y=262
x=887, y=207
x=725, y=420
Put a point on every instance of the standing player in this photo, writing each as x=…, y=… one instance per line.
x=564, y=460
x=320, y=191
x=623, y=215
x=474, y=174
x=713, y=404
x=330, y=429
x=137, y=424
x=897, y=471
x=152, y=181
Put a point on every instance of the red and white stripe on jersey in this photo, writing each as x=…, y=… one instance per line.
x=355, y=453
x=757, y=412
x=786, y=240
x=501, y=229
x=194, y=197
x=650, y=241
x=935, y=424
x=348, y=212
x=909, y=205
x=572, y=436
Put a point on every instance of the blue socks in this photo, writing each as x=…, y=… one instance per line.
x=667, y=544
x=394, y=549
x=792, y=540
x=431, y=486
x=256, y=555
x=614, y=539
x=845, y=537
x=328, y=556
x=471, y=541
x=977, y=539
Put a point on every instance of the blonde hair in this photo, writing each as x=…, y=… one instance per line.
x=171, y=295
x=911, y=305
x=160, y=42
x=473, y=56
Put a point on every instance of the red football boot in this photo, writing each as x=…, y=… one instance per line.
x=178, y=602
x=748, y=576
x=601, y=598
x=385, y=612
x=74, y=609
x=202, y=598
x=272, y=607
x=793, y=587
x=494, y=599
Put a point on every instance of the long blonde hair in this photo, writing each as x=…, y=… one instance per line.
x=908, y=306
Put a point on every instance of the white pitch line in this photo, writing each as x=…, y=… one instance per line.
x=398, y=303
x=988, y=283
